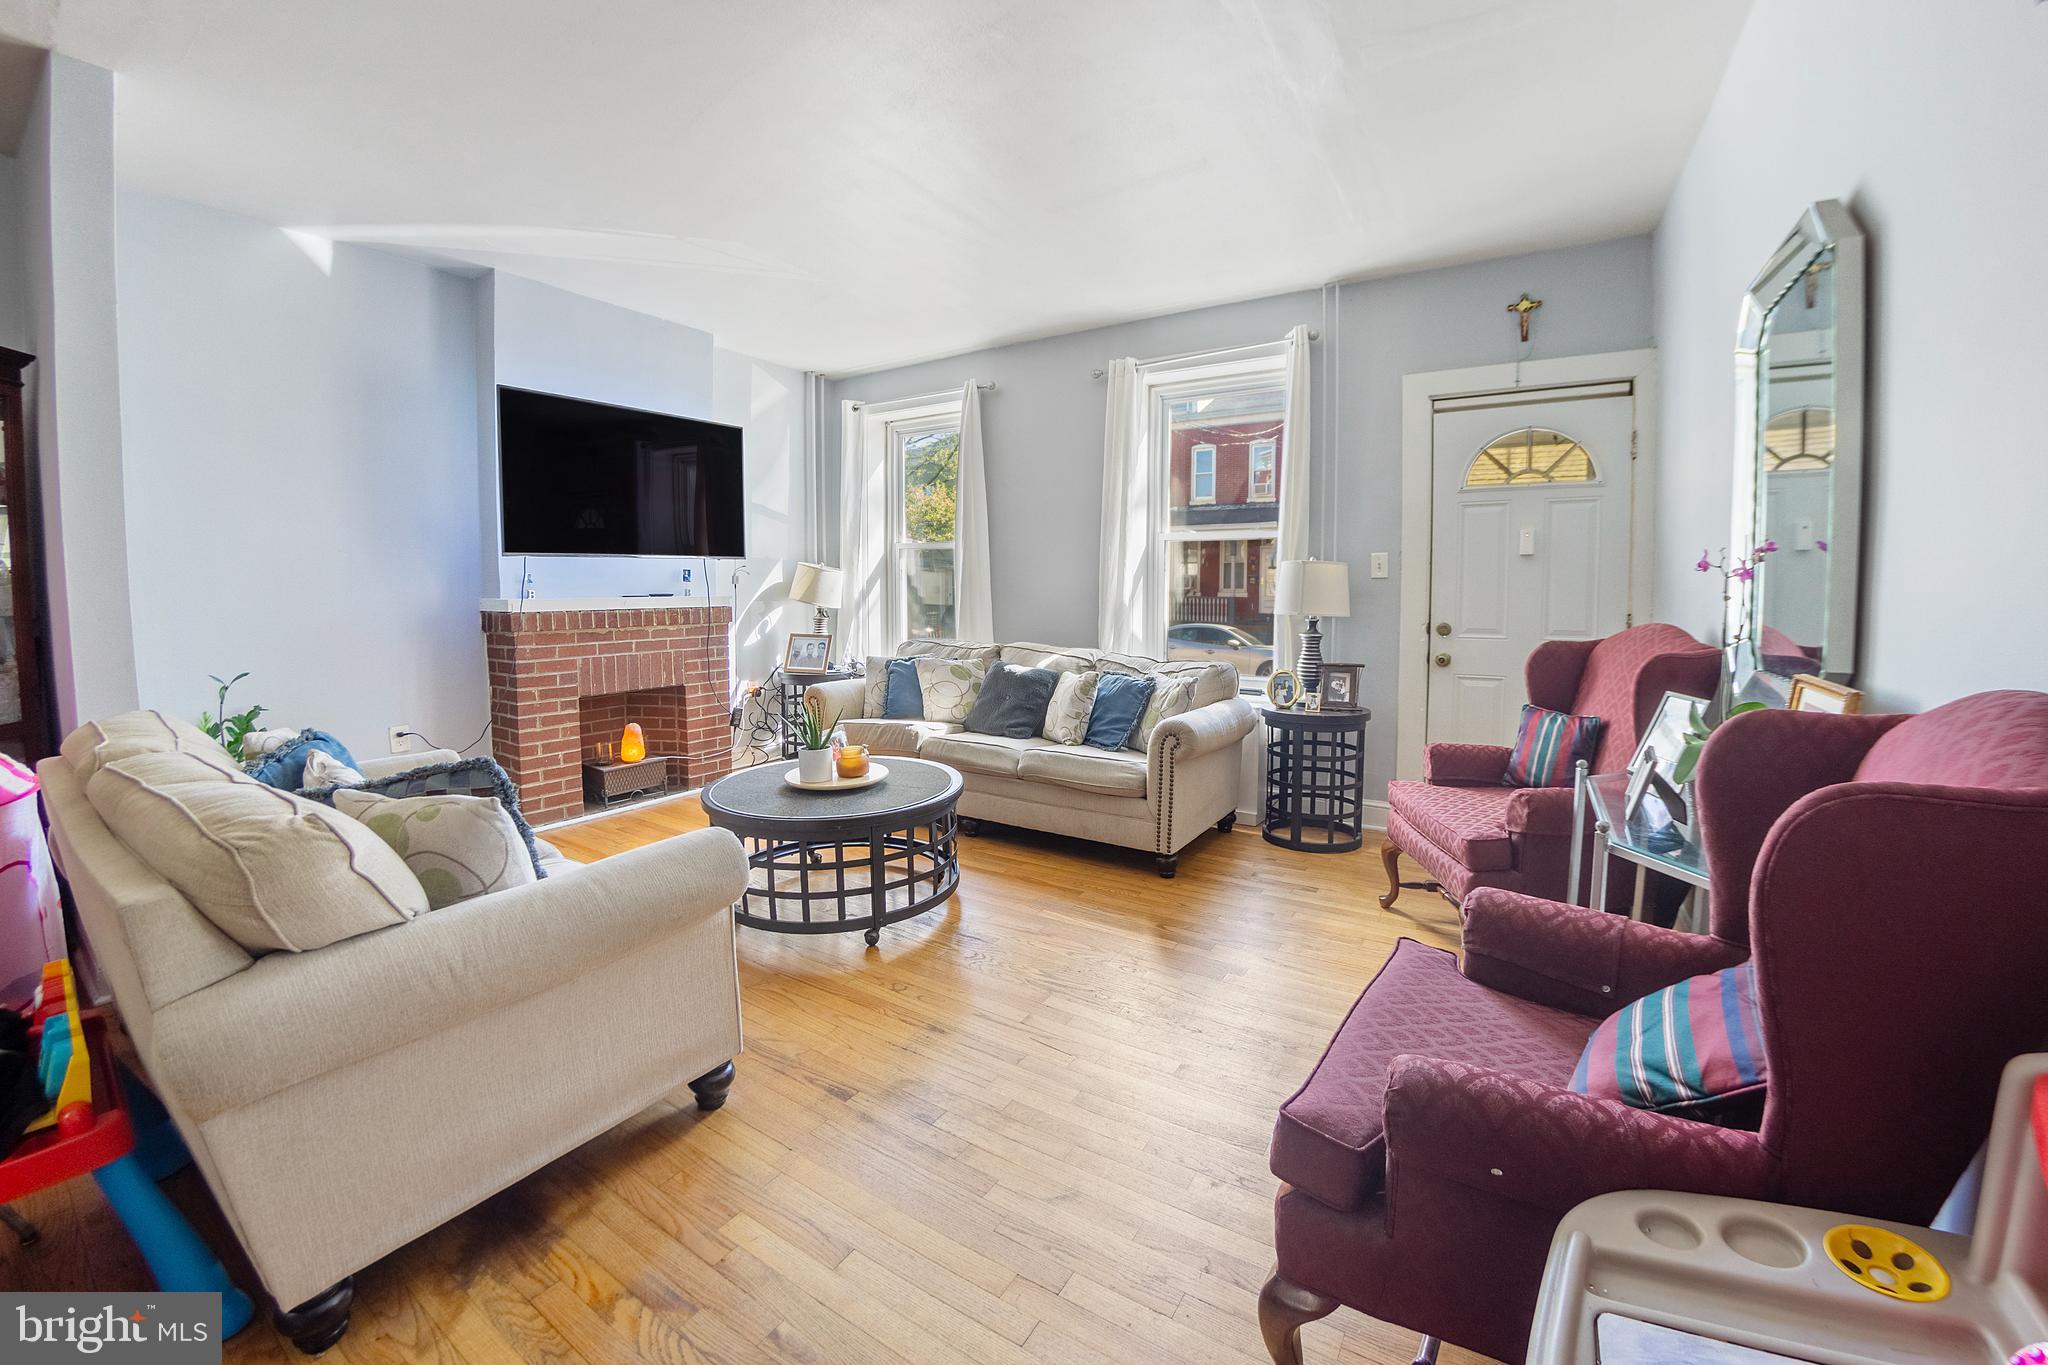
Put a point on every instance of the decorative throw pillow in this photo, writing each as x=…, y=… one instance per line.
x=325, y=770
x=904, y=699
x=874, y=696
x=458, y=846
x=1013, y=701
x=1695, y=1049
x=285, y=766
x=1073, y=701
x=463, y=777
x=1547, y=746
x=1120, y=701
x=950, y=686
x=1170, y=697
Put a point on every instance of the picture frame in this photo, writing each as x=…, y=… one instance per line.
x=1639, y=775
x=1283, y=690
x=1312, y=702
x=1341, y=685
x=1664, y=738
x=1813, y=693
x=807, y=652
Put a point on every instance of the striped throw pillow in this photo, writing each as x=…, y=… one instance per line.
x=1547, y=744
x=1695, y=1049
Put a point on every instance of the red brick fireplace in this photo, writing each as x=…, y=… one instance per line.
x=563, y=680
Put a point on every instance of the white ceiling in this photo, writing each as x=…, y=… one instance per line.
x=841, y=186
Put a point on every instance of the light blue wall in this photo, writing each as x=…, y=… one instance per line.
x=1043, y=426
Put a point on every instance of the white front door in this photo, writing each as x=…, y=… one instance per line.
x=1529, y=542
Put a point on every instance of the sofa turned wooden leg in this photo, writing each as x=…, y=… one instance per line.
x=712, y=1087
x=1168, y=864
x=1390, y=858
x=970, y=826
x=320, y=1321
x=1283, y=1307
x=1227, y=823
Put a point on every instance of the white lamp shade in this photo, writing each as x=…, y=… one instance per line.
x=817, y=584
x=1313, y=587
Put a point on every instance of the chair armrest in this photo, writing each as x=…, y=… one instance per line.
x=1203, y=730
x=1540, y=810
x=293, y=1016
x=390, y=765
x=842, y=698
x=1576, y=959
x=1553, y=1149
x=1464, y=765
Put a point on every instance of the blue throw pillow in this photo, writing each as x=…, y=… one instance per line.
x=285, y=766
x=1120, y=701
x=905, y=698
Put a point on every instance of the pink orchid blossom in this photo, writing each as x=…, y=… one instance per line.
x=1705, y=565
x=1769, y=547
x=1822, y=544
x=1742, y=573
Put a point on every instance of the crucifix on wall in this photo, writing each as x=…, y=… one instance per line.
x=1521, y=308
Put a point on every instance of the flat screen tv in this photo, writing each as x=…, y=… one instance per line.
x=580, y=478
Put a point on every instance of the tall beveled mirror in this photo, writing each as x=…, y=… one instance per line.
x=1799, y=459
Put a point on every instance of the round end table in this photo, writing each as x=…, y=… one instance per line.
x=828, y=862
x=1315, y=780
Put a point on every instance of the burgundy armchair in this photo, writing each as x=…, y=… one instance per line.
x=1468, y=831
x=1430, y=1155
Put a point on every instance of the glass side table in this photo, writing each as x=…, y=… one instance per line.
x=1315, y=780
x=1600, y=798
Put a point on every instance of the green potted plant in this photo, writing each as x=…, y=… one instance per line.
x=229, y=731
x=813, y=742
x=1697, y=731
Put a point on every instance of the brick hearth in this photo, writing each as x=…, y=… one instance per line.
x=560, y=680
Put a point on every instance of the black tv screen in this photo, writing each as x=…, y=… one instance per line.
x=579, y=478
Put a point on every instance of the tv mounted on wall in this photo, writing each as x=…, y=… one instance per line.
x=581, y=478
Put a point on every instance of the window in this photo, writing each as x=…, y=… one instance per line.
x=1202, y=478
x=1219, y=430
x=925, y=474
x=1533, y=455
x=1801, y=438
x=1265, y=468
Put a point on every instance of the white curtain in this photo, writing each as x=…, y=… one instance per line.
x=863, y=535
x=974, y=613
x=1131, y=611
x=1294, y=486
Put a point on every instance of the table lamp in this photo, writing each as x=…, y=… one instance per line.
x=1314, y=588
x=820, y=586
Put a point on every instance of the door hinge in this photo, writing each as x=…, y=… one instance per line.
x=1629, y=619
x=1631, y=446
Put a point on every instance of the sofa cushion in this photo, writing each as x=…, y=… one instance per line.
x=1330, y=1140
x=458, y=846
x=895, y=736
x=1054, y=657
x=1170, y=697
x=1695, y=1049
x=1120, y=702
x=1013, y=701
x=1116, y=771
x=1548, y=746
x=949, y=686
x=996, y=755
x=270, y=869
x=97, y=743
x=1468, y=823
x=1212, y=682
x=903, y=696
x=1073, y=699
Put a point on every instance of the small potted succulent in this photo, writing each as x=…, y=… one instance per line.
x=813, y=742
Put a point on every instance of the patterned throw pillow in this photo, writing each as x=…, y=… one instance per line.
x=1548, y=745
x=950, y=687
x=1170, y=697
x=1073, y=701
x=875, y=696
x=458, y=846
x=463, y=777
x=1695, y=1049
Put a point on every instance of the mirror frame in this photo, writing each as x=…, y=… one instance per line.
x=1823, y=225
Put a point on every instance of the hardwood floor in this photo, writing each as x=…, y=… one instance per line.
x=1030, y=1127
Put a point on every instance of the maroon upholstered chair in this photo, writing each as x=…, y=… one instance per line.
x=1467, y=830
x=1900, y=953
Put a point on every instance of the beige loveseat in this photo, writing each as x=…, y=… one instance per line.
x=1186, y=781
x=341, y=1101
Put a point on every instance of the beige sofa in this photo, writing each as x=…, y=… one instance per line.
x=344, y=1100
x=1185, y=782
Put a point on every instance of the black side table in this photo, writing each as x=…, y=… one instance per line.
x=1315, y=780
x=793, y=686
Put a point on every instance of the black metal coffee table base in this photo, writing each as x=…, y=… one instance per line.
x=827, y=863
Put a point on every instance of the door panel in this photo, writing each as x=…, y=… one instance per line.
x=1529, y=542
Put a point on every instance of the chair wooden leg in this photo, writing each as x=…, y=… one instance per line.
x=1283, y=1307
x=1390, y=858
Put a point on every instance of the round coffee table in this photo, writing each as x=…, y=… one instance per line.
x=827, y=862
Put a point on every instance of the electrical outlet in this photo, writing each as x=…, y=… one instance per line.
x=401, y=740
x=1379, y=563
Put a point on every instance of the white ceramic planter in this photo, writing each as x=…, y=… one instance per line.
x=814, y=765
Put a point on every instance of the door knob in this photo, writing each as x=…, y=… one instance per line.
x=1443, y=627
x=1443, y=661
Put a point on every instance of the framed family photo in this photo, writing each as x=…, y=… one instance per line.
x=1341, y=686
x=807, y=653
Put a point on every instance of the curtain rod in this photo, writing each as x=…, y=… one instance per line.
x=922, y=397
x=1191, y=355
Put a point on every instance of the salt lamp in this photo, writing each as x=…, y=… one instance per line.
x=632, y=745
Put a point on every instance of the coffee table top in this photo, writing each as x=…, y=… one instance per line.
x=758, y=795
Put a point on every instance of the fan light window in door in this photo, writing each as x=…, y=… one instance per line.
x=1801, y=438
x=1533, y=455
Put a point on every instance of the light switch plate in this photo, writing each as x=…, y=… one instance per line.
x=1379, y=563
